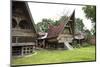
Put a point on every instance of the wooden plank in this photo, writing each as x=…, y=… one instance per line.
x=22, y=44
x=21, y=33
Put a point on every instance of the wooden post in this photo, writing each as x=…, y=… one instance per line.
x=22, y=50
x=43, y=43
x=36, y=45
x=79, y=42
x=16, y=39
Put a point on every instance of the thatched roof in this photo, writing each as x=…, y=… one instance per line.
x=25, y=7
x=54, y=31
x=79, y=36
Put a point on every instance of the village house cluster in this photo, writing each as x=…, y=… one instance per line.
x=26, y=39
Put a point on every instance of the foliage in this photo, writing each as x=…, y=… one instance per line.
x=78, y=25
x=43, y=25
x=93, y=30
x=89, y=37
x=92, y=40
x=57, y=56
x=90, y=12
x=88, y=34
x=86, y=44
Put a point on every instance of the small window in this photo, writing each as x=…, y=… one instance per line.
x=31, y=51
x=27, y=48
x=27, y=51
x=31, y=48
x=23, y=51
x=24, y=24
x=24, y=48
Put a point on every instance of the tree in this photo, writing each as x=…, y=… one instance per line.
x=93, y=29
x=43, y=25
x=90, y=12
x=87, y=35
x=78, y=25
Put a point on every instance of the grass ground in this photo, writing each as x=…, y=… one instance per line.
x=57, y=56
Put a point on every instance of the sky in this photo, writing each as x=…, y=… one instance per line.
x=55, y=11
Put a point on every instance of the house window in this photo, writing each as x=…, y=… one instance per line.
x=13, y=39
x=16, y=51
x=24, y=25
x=27, y=50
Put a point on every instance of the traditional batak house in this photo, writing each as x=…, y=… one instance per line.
x=23, y=29
x=60, y=36
x=25, y=37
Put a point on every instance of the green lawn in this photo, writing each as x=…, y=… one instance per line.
x=57, y=56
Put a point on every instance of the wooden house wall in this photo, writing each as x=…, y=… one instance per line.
x=23, y=30
x=22, y=27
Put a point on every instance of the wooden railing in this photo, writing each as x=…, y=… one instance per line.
x=64, y=38
x=22, y=44
x=22, y=30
